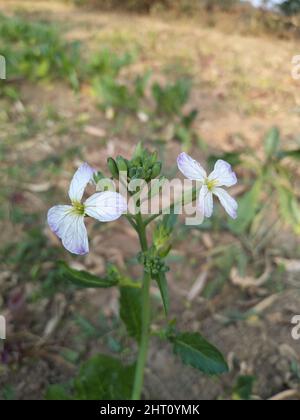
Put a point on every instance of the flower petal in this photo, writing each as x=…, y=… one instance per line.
x=70, y=228
x=190, y=167
x=229, y=203
x=56, y=218
x=205, y=203
x=223, y=173
x=105, y=206
x=81, y=178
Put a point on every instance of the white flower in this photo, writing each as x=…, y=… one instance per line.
x=67, y=222
x=222, y=175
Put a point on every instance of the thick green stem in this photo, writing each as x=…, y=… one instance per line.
x=146, y=311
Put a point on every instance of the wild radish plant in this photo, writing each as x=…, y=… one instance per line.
x=139, y=181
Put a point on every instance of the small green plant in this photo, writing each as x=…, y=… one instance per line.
x=35, y=51
x=111, y=92
x=272, y=194
x=104, y=377
x=170, y=99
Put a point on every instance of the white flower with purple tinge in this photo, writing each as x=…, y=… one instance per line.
x=222, y=175
x=67, y=222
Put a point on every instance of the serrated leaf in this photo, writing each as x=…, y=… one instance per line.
x=196, y=351
x=248, y=207
x=85, y=279
x=163, y=287
x=131, y=310
x=272, y=142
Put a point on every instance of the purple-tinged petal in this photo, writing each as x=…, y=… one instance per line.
x=205, y=202
x=81, y=178
x=56, y=218
x=229, y=203
x=223, y=174
x=75, y=238
x=190, y=167
x=70, y=228
x=105, y=206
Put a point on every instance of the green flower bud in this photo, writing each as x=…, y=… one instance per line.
x=140, y=173
x=156, y=169
x=132, y=172
x=98, y=176
x=138, y=151
x=153, y=157
x=121, y=164
x=112, y=166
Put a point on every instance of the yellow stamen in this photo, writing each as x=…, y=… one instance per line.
x=211, y=184
x=78, y=208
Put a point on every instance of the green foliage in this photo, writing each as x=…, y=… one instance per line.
x=197, y=352
x=84, y=279
x=35, y=51
x=131, y=310
x=295, y=154
x=249, y=205
x=163, y=287
x=117, y=95
x=104, y=71
x=290, y=7
x=170, y=99
x=234, y=158
x=274, y=179
x=108, y=64
x=272, y=142
x=243, y=387
x=100, y=378
x=289, y=207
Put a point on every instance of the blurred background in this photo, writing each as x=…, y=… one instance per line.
x=88, y=79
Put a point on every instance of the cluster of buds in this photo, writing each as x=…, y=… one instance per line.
x=143, y=165
x=153, y=263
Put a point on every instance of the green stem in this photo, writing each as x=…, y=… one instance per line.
x=143, y=348
x=146, y=308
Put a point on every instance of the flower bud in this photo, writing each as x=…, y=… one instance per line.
x=112, y=166
x=121, y=164
x=156, y=169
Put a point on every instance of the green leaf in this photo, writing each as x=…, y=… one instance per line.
x=272, y=142
x=295, y=154
x=289, y=208
x=234, y=158
x=248, y=206
x=104, y=378
x=163, y=287
x=84, y=279
x=197, y=352
x=57, y=393
x=243, y=387
x=131, y=310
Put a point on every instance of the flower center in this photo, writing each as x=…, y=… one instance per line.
x=78, y=208
x=211, y=184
